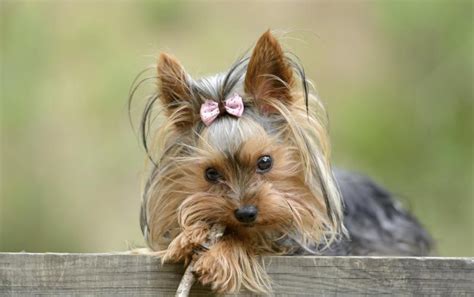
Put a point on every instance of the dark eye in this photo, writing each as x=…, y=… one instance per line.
x=264, y=164
x=212, y=175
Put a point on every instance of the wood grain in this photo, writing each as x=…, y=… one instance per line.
x=25, y=274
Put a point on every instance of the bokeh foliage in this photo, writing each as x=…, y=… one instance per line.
x=396, y=77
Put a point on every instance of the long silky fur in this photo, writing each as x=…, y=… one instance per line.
x=304, y=203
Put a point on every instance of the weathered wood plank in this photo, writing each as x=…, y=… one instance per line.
x=24, y=274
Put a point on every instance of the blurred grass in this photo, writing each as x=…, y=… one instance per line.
x=396, y=77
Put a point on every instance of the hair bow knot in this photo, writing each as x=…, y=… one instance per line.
x=210, y=109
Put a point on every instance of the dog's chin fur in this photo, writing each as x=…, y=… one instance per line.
x=297, y=198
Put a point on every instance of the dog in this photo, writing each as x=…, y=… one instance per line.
x=249, y=149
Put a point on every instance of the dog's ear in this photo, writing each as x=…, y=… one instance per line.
x=175, y=91
x=269, y=76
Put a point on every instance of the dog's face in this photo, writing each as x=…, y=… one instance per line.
x=248, y=180
x=264, y=175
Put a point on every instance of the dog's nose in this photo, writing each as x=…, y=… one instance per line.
x=246, y=213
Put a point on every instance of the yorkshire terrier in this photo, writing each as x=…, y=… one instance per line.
x=249, y=149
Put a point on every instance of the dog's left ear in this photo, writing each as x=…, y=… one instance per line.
x=269, y=76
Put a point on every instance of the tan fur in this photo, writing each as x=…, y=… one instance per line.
x=182, y=205
x=268, y=73
x=174, y=91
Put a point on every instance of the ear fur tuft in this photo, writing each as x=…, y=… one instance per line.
x=174, y=90
x=269, y=75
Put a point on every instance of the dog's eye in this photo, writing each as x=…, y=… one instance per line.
x=212, y=175
x=264, y=164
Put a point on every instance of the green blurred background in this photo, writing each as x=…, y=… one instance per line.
x=396, y=77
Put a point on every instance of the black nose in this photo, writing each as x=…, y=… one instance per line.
x=246, y=213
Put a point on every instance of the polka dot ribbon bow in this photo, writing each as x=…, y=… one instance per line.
x=211, y=109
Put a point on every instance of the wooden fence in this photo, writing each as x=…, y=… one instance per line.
x=50, y=274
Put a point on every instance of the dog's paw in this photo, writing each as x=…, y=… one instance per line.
x=229, y=265
x=183, y=246
x=216, y=268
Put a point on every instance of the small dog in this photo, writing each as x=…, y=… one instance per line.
x=248, y=149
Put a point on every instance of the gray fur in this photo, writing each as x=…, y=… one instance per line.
x=375, y=221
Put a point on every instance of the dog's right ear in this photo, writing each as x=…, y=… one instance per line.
x=175, y=91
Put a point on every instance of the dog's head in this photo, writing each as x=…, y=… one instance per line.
x=264, y=174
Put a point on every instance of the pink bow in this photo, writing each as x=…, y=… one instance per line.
x=210, y=109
